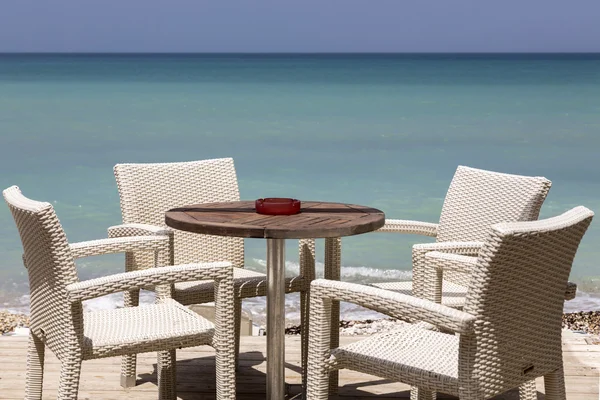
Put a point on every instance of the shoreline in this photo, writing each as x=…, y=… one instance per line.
x=583, y=322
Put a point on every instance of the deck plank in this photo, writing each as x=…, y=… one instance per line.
x=195, y=369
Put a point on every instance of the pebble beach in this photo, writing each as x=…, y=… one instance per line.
x=10, y=321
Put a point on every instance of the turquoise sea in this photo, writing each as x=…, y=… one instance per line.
x=383, y=130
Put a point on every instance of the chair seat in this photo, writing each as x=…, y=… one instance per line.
x=121, y=331
x=246, y=284
x=453, y=295
x=420, y=357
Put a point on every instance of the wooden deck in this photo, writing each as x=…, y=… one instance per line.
x=195, y=370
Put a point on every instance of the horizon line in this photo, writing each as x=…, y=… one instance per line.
x=306, y=52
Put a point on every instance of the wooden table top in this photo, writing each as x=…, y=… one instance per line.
x=240, y=219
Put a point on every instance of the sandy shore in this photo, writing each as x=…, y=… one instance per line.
x=587, y=322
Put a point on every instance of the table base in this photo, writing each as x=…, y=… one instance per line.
x=275, y=316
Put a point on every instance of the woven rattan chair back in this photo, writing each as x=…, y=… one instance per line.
x=478, y=199
x=50, y=267
x=517, y=294
x=146, y=191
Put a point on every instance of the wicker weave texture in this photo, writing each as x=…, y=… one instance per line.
x=453, y=294
x=521, y=271
x=120, y=245
x=116, y=332
x=58, y=321
x=409, y=227
x=476, y=199
x=147, y=191
x=50, y=267
x=409, y=351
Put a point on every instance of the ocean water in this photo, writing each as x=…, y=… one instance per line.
x=381, y=130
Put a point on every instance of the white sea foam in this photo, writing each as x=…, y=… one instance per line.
x=101, y=303
x=348, y=311
x=583, y=302
x=17, y=306
x=349, y=273
x=257, y=306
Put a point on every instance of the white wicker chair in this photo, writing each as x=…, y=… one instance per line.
x=508, y=334
x=147, y=191
x=475, y=200
x=59, y=323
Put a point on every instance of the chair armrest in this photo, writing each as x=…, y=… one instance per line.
x=427, y=280
x=450, y=261
x=571, y=291
x=137, y=230
x=149, y=277
x=464, y=248
x=119, y=245
x=464, y=264
x=397, y=305
x=409, y=227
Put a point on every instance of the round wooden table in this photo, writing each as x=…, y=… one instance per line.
x=315, y=220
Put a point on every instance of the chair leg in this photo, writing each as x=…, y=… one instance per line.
x=318, y=390
x=333, y=267
x=166, y=374
x=554, y=383
x=307, y=271
x=68, y=384
x=225, y=373
x=334, y=376
x=128, y=362
x=35, y=368
x=304, y=313
x=237, y=319
x=528, y=391
x=421, y=394
x=318, y=367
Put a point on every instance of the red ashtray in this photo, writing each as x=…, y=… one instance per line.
x=277, y=206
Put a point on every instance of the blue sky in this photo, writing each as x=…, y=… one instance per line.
x=300, y=26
